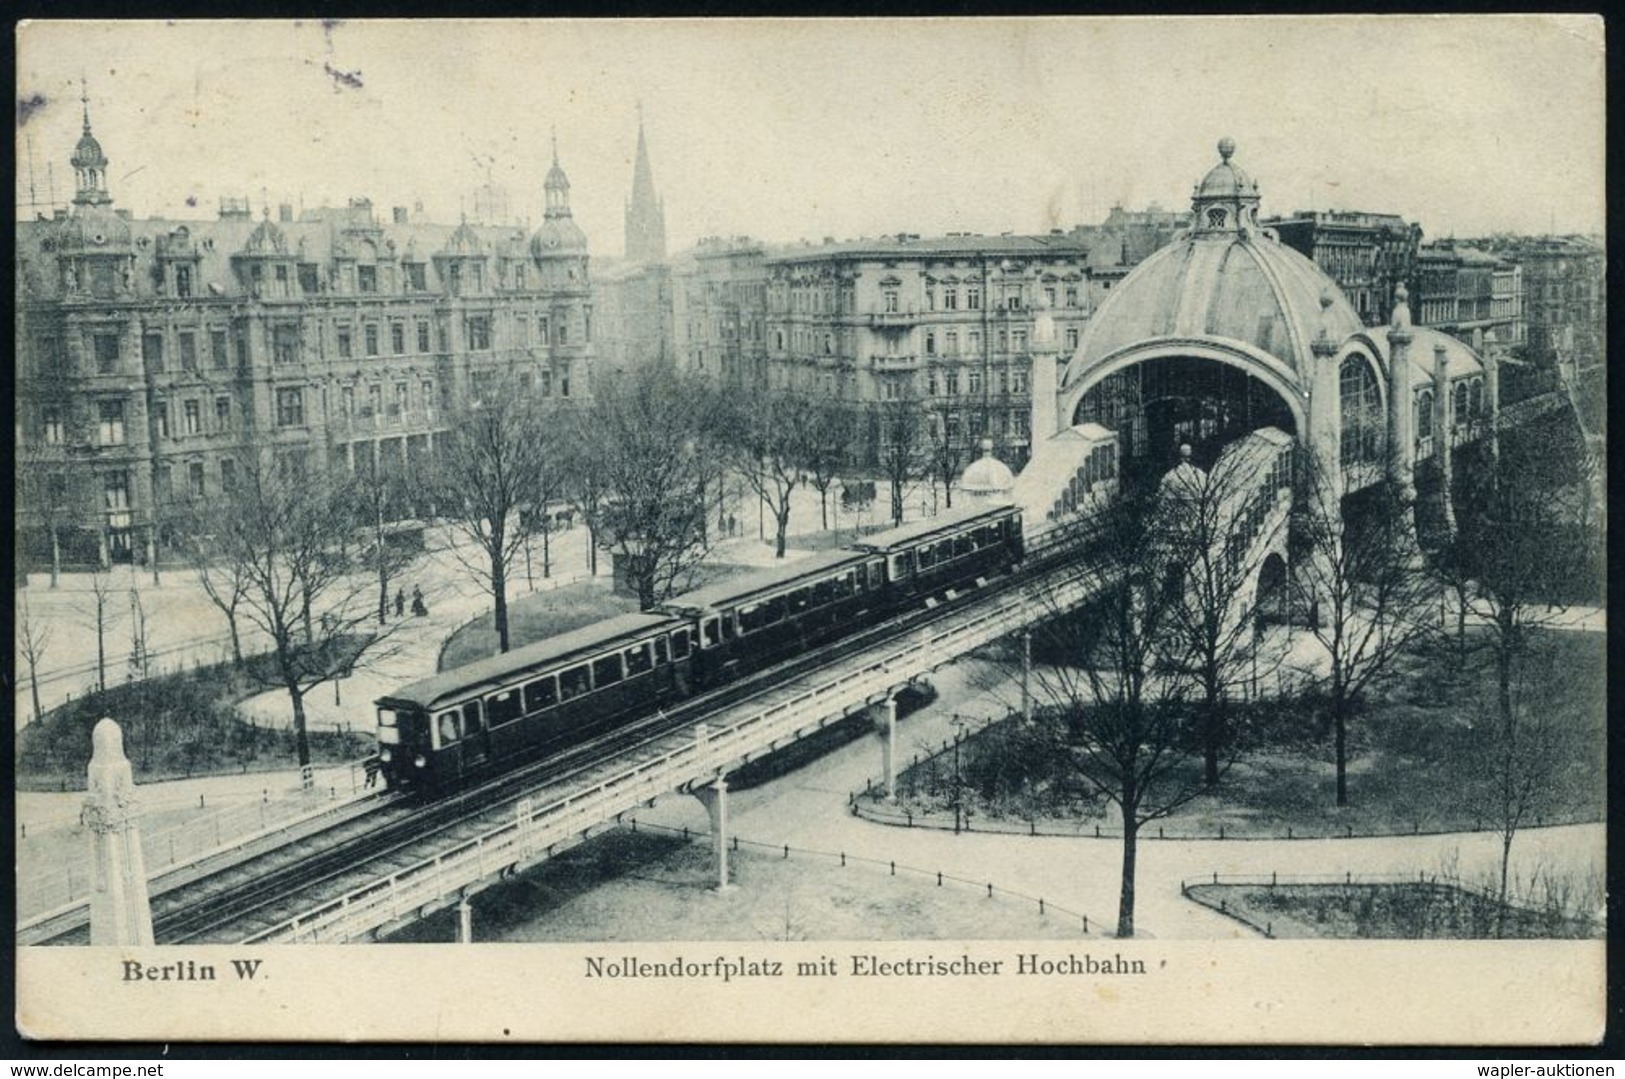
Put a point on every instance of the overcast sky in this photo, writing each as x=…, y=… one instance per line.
x=792, y=129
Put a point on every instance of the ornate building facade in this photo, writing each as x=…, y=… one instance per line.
x=947, y=321
x=150, y=353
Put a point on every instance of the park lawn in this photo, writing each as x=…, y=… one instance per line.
x=533, y=617
x=1408, y=769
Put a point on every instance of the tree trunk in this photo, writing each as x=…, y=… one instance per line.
x=896, y=500
x=1340, y=727
x=1213, y=738
x=101, y=646
x=304, y=614
x=499, y=594
x=33, y=686
x=1501, y=908
x=823, y=508
x=547, y=549
x=1125, y=895
x=236, y=640
x=781, y=520
x=56, y=556
x=301, y=736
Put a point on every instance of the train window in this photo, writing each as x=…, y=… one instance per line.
x=877, y=574
x=926, y=556
x=540, y=694
x=638, y=660
x=606, y=671
x=503, y=707
x=449, y=728
x=773, y=610
x=798, y=601
x=899, y=569
x=388, y=732
x=711, y=633
x=750, y=618
x=730, y=629
x=471, y=718
x=962, y=545
x=679, y=644
x=386, y=717
x=574, y=682
x=661, y=658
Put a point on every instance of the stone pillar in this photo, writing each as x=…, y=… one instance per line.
x=1045, y=419
x=715, y=800
x=1401, y=410
x=1492, y=393
x=465, y=922
x=1325, y=449
x=119, y=909
x=884, y=717
x=1444, y=435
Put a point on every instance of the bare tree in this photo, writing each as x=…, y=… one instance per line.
x=902, y=446
x=1111, y=717
x=769, y=436
x=656, y=448
x=833, y=429
x=33, y=638
x=280, y=527
x=1362, y=582
x=489, y=481
x=1525, y=539
x=945, y=457
x=224, y=579
x=1215, y=529
x=47, y=492
x=381, y=496
x=101, y=599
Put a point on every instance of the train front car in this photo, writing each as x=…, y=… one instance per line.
x=949, y=551
x=495, y=713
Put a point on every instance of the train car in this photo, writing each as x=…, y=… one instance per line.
x=471, y=720
x=953, y=549
x=757, y=618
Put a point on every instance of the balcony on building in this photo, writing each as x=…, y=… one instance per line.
x=893, y=320
x=894, y=363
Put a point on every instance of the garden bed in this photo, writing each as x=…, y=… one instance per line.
x=1401, y=910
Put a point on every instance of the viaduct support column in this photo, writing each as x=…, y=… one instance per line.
x=119, y=909
x=715, y=800
x=465, y=921
x=884, y=717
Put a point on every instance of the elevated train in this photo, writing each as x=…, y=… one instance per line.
x=478, y=719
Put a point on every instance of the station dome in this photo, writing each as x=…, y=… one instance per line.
x=1226, y=282
x=987, y=478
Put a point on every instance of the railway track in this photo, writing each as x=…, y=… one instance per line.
x=237, y=902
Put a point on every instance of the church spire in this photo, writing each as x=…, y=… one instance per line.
x=645, y=214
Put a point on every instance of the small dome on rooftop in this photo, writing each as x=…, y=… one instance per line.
x=987, y=476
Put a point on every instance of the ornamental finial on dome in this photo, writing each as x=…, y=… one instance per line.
x=1227, y=147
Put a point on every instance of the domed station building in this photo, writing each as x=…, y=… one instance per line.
x=1227, y=330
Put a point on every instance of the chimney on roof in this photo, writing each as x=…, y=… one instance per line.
x=284, y=211
x=400, y=215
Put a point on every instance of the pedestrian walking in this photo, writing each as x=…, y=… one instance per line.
x=400, y=602
x=419, y=608
x=372, y=765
